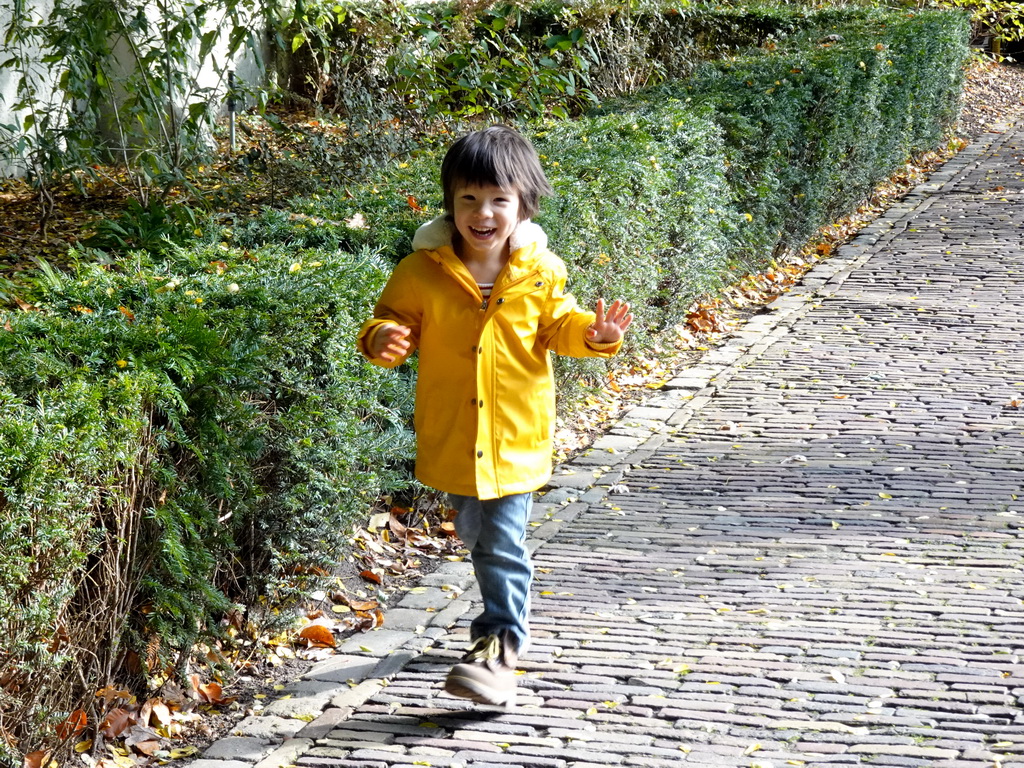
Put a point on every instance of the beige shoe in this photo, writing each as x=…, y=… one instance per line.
x=487, y=673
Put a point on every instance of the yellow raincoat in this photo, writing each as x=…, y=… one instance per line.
x=485, y=393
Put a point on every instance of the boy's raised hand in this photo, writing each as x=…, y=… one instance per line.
x=390, y=342
x=610, y=327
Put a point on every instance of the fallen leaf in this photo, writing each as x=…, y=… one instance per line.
x=113, y=694
x=148, y=748
x=73, y=725
x=211, y=693
x=116, y=722
x=318, y=634
x=363, y=605
x=378, y=521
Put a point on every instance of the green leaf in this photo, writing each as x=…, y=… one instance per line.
x=207, y=43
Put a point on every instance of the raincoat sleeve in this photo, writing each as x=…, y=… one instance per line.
x=563, y=326
x=399, y=304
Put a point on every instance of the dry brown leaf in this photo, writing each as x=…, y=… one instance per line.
x=362, y=605
x=110, y=694
x=148, y=748
x=25, y=307
x=73, y=725
x=211, y=693
x=116, y=722
x=397, y=526
x=317, y=634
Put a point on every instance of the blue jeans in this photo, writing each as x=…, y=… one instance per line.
x=494, y=531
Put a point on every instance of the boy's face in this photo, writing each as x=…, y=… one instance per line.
x=485, y=216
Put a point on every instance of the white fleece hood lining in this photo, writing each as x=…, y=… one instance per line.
x=439, y=232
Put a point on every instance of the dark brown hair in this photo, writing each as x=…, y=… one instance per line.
x=498, y=155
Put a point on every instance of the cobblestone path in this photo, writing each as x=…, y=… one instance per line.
x=817, y=562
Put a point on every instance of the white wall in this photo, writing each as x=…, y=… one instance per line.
x=45, y=77
x=42, y=77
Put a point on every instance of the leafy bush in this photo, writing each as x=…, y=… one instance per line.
x=641, y=213
x=180, y=435
x=812, y=125
x=1000, y=20
x=398, y=71
x=151, y=227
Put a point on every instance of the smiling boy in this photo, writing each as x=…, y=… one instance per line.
x=483, y=300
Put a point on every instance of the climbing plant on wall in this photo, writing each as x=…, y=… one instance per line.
x=99, y=82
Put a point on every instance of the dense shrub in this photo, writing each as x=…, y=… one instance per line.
x=813, y=124
x=178, y=436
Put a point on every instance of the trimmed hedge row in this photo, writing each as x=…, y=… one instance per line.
x=814, y=123
x=177, y=436
x=196, y=429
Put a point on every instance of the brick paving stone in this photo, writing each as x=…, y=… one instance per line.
x=238, y=748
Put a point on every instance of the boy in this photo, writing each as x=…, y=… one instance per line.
x=482, y=299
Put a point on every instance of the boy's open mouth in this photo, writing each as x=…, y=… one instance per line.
x=482, y=232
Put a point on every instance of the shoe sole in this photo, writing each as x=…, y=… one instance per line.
x=466, y=688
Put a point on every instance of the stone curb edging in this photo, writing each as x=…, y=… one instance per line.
x=326, y=695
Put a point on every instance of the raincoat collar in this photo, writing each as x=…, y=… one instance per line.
x=437, y=233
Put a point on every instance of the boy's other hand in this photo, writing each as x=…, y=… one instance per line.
x=390, y=342
x=611, y=326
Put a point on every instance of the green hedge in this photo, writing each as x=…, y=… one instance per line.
x=178, y=436
x=812, y=125
x=196, y=428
